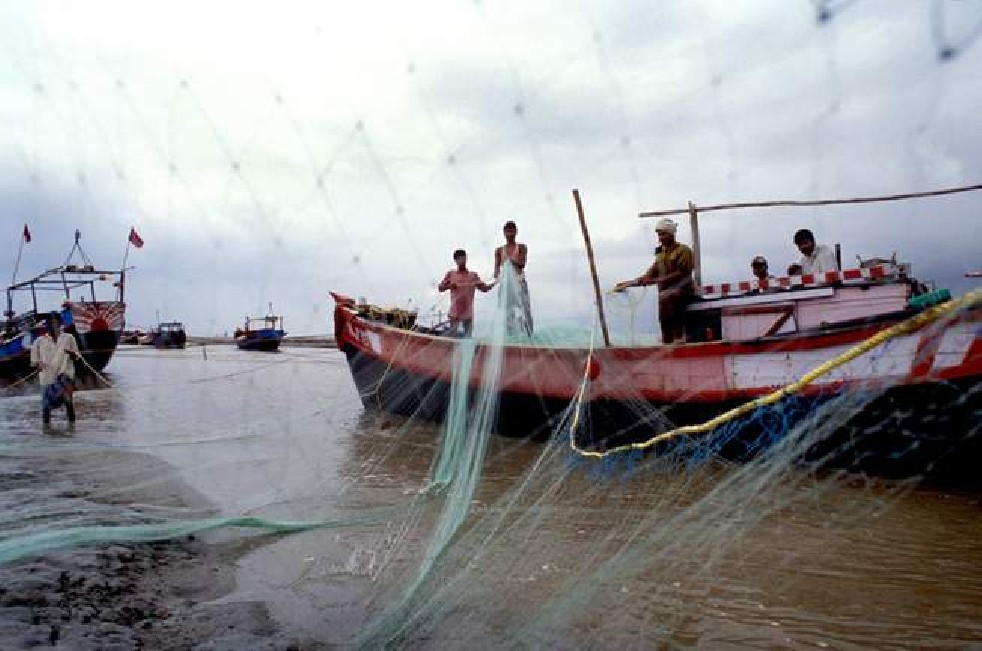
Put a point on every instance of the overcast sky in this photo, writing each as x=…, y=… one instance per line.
x=273, y=152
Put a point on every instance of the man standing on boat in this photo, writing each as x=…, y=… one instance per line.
x=462, y=283
x=518, y=303
x=815, y=258
x=54, y=353
x=672, y=273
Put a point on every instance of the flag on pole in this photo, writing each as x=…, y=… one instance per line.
x=135, y=238
x=27, y=234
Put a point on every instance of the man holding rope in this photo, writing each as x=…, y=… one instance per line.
x=54, y=354
x=672, y=273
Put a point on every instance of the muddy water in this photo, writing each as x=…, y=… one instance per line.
x=556, y=554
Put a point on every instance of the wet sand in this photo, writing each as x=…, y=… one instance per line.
x=159, y=595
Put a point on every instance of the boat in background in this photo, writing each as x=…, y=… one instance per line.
x=170, y=335
x=260, y=333
x=130, y=337
x=95, y=324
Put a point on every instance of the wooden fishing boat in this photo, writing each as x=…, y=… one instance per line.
x=743, y=346
x=170, y=335
x=921, y=391
x=96, y=324
x=262, y=333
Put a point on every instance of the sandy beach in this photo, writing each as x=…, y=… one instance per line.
x=157, y=595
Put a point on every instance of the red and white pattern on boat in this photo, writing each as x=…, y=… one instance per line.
x=878, y=272
x=706, y=372
x=102, y=315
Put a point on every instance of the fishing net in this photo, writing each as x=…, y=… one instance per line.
x=365, y=505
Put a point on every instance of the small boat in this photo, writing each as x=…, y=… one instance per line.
x=170, y=335
x=744, y=340
x=260, y=333
x=95, y=324
x=130, y=337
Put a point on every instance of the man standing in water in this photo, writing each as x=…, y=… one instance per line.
x=462, y=283
x=672, y=273
x=54, y=353
x=517, y=299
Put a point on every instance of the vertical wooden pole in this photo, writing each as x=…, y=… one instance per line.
x=20, y=249
x=694, y=228
x=593, y=267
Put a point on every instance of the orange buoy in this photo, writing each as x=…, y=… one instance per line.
x=592, y=368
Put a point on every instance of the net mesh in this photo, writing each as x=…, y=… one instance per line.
x=332, y=163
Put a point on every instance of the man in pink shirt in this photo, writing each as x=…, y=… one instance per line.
x=462, y=282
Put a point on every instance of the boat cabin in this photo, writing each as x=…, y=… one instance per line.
x=253, y=324
x=750, y=310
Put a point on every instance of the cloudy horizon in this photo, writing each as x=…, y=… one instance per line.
x=272, y=155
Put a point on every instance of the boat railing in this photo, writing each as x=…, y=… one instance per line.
x=875, y=274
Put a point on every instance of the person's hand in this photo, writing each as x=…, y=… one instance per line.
x=624, y=284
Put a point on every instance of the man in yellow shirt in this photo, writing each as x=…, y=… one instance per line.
x=672, y=273
x=54, y=354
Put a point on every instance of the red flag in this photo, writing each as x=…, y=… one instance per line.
x=27, y=234
x=135, y=238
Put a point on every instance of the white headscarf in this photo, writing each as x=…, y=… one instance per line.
x=666, y=225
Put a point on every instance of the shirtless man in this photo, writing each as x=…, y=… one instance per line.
x=518, y=303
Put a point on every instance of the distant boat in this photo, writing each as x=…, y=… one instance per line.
x=170, y=335
x=130, y=337
x=260, y=333
x=95, y=324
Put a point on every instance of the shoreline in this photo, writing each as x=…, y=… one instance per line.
x=303, y=341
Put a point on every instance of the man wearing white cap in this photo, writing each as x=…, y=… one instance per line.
x=672, y=273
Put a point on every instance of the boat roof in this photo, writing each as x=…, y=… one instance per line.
x=67, y=274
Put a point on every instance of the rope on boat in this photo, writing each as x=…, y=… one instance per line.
x=912, y=324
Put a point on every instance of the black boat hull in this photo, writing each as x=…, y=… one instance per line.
x=928, y=430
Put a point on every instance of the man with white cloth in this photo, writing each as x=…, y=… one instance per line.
x=815, y=258
x=54, y=353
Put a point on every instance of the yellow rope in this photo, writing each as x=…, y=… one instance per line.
x=912, y=324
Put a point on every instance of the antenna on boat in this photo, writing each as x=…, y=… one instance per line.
x=24, y=238
x=77, y=247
